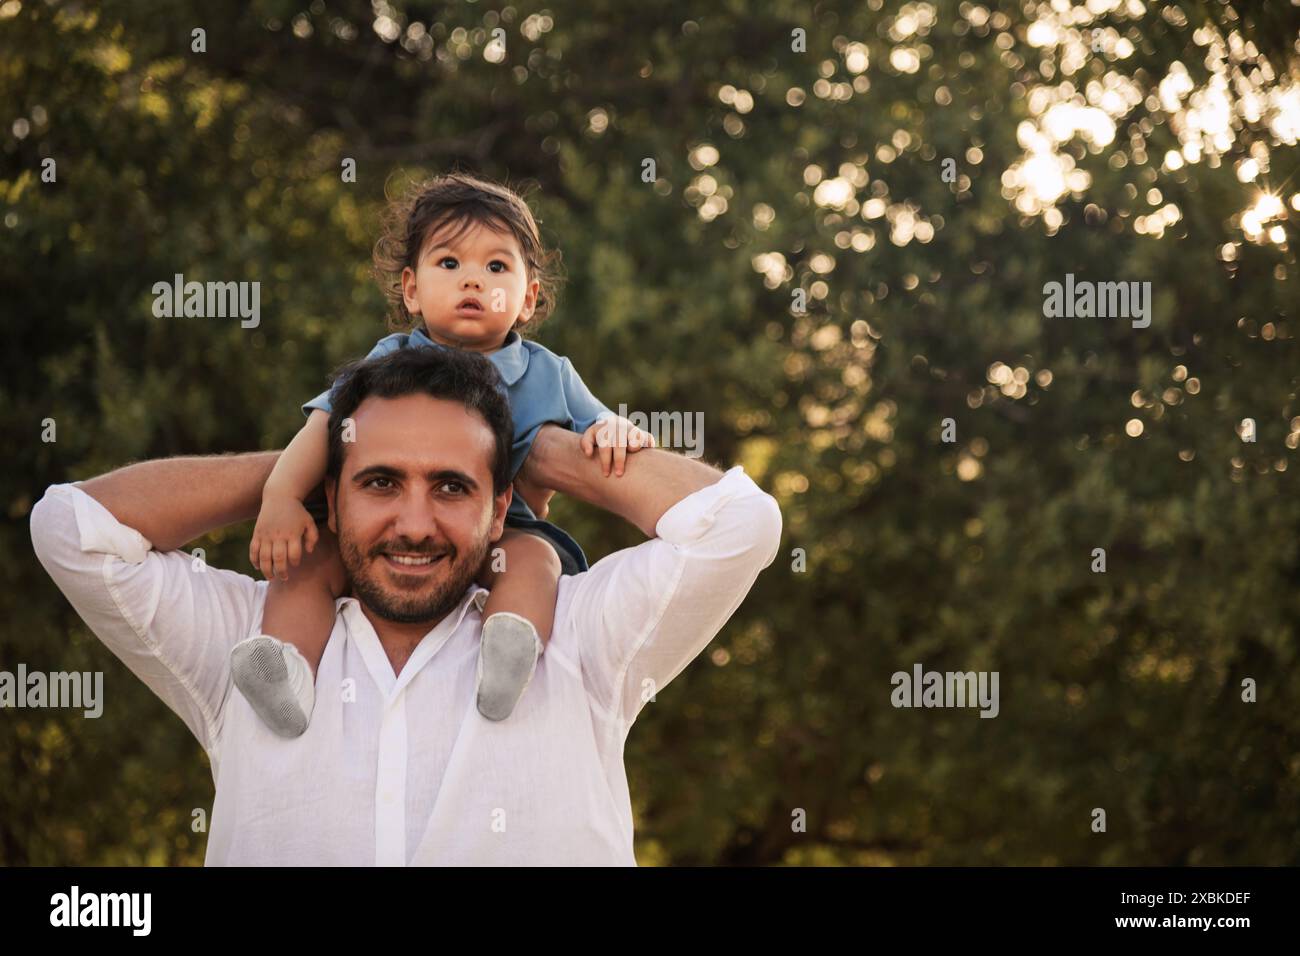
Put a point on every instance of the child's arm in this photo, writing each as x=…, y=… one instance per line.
x=615, y=437
x=283, y=524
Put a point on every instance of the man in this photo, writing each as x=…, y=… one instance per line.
x=397, y=766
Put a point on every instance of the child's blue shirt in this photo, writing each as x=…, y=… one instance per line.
x=543, y=387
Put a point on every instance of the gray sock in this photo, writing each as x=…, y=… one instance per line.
x=506, y=662
x=257, y=666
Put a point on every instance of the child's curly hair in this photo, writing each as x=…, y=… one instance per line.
x=459, y=198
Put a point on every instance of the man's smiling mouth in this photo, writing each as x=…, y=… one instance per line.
x=411, y=563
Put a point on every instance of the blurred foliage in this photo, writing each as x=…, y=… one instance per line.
x=777, y=170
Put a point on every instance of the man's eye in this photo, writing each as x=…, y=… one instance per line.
x=455, y=486
x=373, y=480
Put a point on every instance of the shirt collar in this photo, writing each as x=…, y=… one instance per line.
x=511, y=359
x=372, y=651
x=475, y=597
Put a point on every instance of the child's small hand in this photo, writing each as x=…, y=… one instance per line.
x=282, y=526
x=616, y=438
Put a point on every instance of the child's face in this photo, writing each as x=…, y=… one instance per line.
x=482, y=264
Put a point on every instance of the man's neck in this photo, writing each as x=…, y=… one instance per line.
x=399, y=640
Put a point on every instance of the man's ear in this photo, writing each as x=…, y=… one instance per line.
x=331, y=489
x=500, y=505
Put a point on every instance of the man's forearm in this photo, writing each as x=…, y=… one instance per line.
x=654, y=481
x=172, y=501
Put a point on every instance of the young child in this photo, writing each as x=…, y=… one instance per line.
x=463, y=261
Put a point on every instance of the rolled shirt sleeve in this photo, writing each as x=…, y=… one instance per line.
x=170, y=617
x=323, y=401
x=641, y=615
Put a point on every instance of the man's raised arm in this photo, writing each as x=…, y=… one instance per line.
x=655, y=480
x=172, y=501
x=640, y=615
x=169, y=616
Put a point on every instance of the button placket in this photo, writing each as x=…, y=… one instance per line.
x=390, y=786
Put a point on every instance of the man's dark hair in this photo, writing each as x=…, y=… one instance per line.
x=446, y=373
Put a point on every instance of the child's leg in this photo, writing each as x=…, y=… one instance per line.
x=517, y=620
x=529, y=583
x=276, y=670
x=300, y=611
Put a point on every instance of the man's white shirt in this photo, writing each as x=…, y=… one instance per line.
x=401, y=769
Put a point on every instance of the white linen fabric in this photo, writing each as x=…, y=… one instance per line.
x=401, y=769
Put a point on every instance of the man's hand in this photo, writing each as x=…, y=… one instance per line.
x=536, y=497
x=614, y=438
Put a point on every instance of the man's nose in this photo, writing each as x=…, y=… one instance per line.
x=417, y=519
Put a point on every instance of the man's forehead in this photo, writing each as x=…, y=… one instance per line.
x=419, y=433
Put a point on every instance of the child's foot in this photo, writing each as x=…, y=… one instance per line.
x=507, y=658
x=277, y=681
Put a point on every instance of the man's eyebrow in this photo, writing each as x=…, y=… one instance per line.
x=436, y=476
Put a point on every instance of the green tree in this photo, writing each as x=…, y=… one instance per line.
x=919, y=173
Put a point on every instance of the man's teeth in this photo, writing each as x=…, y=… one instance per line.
x=402, y=559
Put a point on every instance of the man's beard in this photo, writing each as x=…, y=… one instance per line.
x=404, y=607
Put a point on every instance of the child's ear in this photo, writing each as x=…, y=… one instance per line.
x=530, y=304
x=408, y=291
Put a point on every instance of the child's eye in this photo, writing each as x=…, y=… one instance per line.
x=495, y=262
